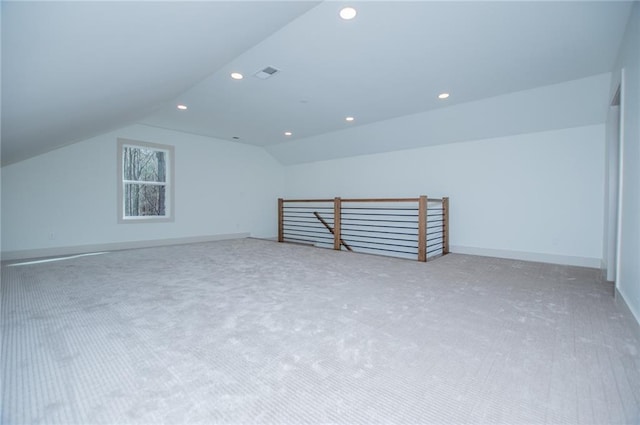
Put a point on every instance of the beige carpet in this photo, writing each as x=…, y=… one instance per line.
x=250, y=331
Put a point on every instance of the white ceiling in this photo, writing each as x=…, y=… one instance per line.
x=73, y=70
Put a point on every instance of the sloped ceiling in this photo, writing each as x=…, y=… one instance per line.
x=72, y=70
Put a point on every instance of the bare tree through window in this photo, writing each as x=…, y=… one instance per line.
x=144, y=181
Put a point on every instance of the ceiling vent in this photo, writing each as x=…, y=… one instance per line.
x=269, y=71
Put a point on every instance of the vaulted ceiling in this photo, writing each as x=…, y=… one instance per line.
x=73, y=70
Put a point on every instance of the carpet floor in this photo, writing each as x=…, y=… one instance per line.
x=255, y=332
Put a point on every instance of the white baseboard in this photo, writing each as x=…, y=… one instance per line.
x=268, y=238
x=622, y=301
x=528, y=256
x=606, y=274
x=116, y=246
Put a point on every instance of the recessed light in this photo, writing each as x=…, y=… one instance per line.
x=347, y=13
x=288, y=133
x=182, y=107
x=237, y=76
x=443, y=95
x=349, y=119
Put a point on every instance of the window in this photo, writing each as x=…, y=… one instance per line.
x=145, y=182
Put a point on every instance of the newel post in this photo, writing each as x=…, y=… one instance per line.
x=422, y=228
x=337, y=210
x=280, y=220
x=445, y=223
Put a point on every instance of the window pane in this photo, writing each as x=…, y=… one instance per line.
x=141, y=164
x=144, y=200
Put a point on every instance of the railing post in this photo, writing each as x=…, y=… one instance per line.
x=422, y=228
x=337, y=210
x=445, y=224
x=280, y=220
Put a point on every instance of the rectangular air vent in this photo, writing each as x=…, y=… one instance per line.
x=269, y=71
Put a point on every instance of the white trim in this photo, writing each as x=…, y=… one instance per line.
x=604, y=270
x=622, y=300
x=612, y=179
x=169, y=182
x=116, y=246
x=538, y=257
x=140, y=182
x=621, y=149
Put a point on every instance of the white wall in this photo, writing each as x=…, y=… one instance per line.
x=569, y=104
x=221, y=188
x=534, y=196
x=628, y=276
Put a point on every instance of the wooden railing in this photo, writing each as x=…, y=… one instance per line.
x=400, y=227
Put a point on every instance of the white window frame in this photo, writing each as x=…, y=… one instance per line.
x=169, y=183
